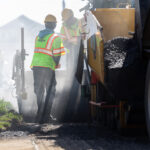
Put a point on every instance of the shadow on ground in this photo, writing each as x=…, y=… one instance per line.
x=85, y=137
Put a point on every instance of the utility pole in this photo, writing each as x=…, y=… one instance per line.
x=23, y=54
x=18, y=74
x=63, y=4
x=23, y=58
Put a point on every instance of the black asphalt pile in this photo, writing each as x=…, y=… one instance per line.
x=124, y=72
x=117, y=52
x=26, y=127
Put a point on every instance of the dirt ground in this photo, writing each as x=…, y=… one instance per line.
x=28, y=143
x=69, y=137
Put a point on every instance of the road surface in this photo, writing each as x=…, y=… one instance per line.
x=69, y=137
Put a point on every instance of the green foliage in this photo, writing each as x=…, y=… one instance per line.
x=2, y=127
x=7, y=116
x=14, y=116
x=10, y=116
x=5, y=106
x=4, y=118
x=5, y=124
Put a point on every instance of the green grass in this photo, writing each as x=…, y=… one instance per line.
x=5, y=106
x=7, y=116
x=5, y=124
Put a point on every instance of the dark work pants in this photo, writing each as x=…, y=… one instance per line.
x=44, y=88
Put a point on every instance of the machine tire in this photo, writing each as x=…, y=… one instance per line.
x=147, y=99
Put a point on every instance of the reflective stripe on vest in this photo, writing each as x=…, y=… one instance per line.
x=50, y=41
x=60, y=50
x=68, y=33
x=39, y=50
x=75, y=31
x=47, y=50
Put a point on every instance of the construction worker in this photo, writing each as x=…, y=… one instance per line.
x=47, y=53
x=70, y=32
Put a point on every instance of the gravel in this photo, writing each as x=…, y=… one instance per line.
x=13, y=134
x=116, y=50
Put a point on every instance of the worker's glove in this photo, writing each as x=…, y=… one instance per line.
x=66, y=50
x=58, y=66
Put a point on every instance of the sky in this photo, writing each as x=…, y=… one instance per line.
x=36, y=9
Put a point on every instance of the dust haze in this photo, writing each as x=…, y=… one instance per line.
x=68, y=92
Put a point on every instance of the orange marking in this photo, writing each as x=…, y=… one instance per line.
x=43, y=53
x=41, y=48
x=53, y=41
x=59, y=52
x=49, y=39
x=58, y=48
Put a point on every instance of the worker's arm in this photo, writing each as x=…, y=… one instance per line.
x=62, y=33
x=65, y=35
x=58, y=50
x=57, y=59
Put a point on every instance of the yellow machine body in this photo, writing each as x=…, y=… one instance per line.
x=115, y=22
x=97, y=63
